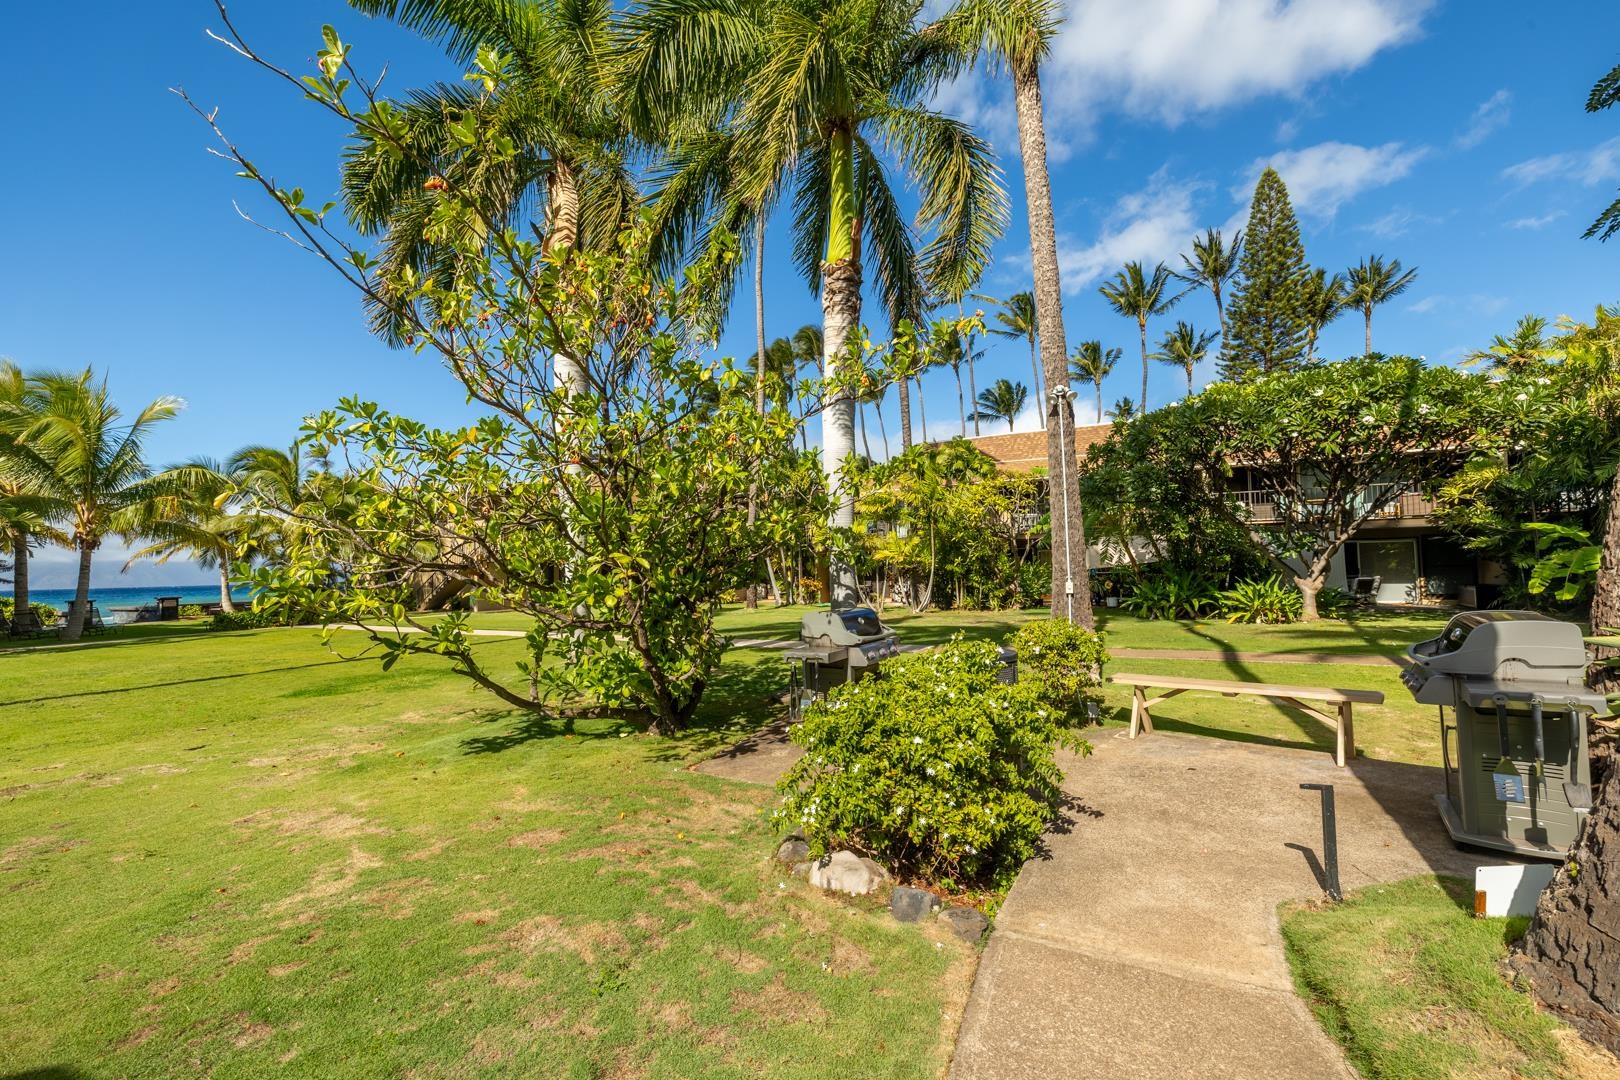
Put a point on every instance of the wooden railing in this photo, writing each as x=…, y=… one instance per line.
x=1262, y=505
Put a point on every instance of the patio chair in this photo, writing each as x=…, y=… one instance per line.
x=27, y=624
x=1366, y=591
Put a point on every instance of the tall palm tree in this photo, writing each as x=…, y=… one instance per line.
x=79, y=450
x=1018, y=320
x=569, y=169
x=1003, y=400
x=1211, y=266
x=813, y=92
x=1140, y=295
x=955, y=349
x=1017, y=35
x=279, y=489
x=1185, y=348
x=1527, y=348
x=1371, y=282
x=25, y=513
x=1091, y=363
x=1123, y=409
x=1323, y=299
x=195, y=521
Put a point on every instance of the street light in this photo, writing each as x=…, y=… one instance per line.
x=1061, y=397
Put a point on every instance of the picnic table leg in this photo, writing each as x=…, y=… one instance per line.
x=1346, y=746
x=1141, y=721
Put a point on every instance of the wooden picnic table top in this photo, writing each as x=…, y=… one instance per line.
x=1221, y=686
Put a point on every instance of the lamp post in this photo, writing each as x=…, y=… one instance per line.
x=1061, y=397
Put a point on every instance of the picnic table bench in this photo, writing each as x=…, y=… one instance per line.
x=1293, y=697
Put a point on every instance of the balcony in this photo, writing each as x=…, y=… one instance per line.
x=1406, y=506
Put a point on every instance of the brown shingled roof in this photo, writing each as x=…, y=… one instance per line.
x=1023, y=451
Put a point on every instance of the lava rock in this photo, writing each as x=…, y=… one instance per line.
x=793, y=850
x=911, y=905
x=967, y=923
x=847, y=872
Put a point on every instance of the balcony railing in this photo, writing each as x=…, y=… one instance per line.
x=1262, y=505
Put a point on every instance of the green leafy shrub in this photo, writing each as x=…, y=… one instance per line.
x=934, y=768
x=1334, y=603
x=1177, y=594
x=1062, y=663
x=191, y=611
x=44, y=612
x=241, y=620
x=1270, y=600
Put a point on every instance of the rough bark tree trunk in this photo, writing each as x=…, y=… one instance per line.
x=19, y=575
x=1606, y=595
x=1141, y=406
x=840, y=311
x=225, y=602
x=905, y=414
x=1035, y=367
x=81, y=595
x=1368, y=312
x=961, y=408
x=1071, y=583
x=922, y=409
x=752, y=594
x=1309, y=587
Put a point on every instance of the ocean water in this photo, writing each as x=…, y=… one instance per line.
x=108, y=600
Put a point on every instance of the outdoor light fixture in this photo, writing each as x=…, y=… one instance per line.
x=1061, y=396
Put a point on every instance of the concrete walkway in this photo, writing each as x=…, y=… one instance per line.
x=1146, y=943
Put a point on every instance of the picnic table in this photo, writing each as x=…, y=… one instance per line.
x=1292, y=697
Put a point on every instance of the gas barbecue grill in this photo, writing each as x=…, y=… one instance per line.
x=836, y=647
x=1515, y=685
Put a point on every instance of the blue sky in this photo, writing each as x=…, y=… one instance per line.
x=1448, y=135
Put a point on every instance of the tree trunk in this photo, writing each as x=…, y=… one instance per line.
x=922, y=410
x=1071, y=584
x=1571, y=954
x=1189, y=380
x=1035, y=366
x=19, y=575
x=1142, y=325
x=961, y=409
x=1605, y=596
x=840, y=315
x=883, y=429
x=973, y=382
x=751, y=596
x=81, y=595
x=1220, y=312
x=1309, y=587
x=1099, y=401
x=866, y=444
x=905, y=414
x=1368, y=313
x=225, y=602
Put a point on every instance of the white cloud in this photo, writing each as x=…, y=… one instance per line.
x=1540, y=221
x=1323, y=177
x=1151, y=225
x=1174, y=59
x=1425, y=305
x=1477, y=304
x=1492, y=113
x=1397, y=223
x=1594, y=166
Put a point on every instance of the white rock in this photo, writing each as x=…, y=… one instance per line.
x=847, y=872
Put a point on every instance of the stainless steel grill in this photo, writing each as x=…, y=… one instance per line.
x=836, y=647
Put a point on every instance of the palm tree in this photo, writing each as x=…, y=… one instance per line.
x=196, y=522
x=1018, y=34
x=1212, y=264
x=1003, y=400
x=1138, y=295
x=1324, y=299
x=25, y=514
x=1185, y=348
x=571, y=144
x=955, y=349
x=1123, y=409
x=77, y=450
x=1527, y=348
x=1372, y=281
x=811, y=90
x=1018, y=321
x=1091, y=363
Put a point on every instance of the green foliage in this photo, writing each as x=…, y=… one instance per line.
x=1270, y=600
x=1171, y=594
x=242, y=619
x=45, y=613
x=1334, y=603
x=1267, y=326
x=1063, y=663
x=1566, y=556
x=191, y=611
x=934, y=768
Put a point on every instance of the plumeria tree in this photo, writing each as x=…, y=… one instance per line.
x=610, y=505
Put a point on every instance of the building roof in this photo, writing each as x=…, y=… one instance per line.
x=1023, y=451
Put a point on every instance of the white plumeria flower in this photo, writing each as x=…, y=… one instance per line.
x=1369, y=418
x=1521, y=397
x=915, y=741
x=1424, y=409
x=930, y=770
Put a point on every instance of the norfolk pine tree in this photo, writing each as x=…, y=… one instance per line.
x=1267, y=325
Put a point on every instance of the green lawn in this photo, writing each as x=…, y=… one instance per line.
x=238, y=855
x=1407, y=980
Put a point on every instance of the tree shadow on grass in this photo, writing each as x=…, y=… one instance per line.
x=177, y=682
x=743, y=698
x=48, y=1072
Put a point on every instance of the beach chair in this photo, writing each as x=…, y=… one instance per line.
x=27, y=624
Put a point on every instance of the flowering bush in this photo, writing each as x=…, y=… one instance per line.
x=1061, y=662
x=933, y=768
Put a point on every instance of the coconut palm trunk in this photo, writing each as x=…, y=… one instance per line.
x=81, y=593
x=961, y=404
x=1142, y=326
x=226, y=604
x=1035, y=370
x=840, y=315
x=752, y=596
x=1368, y=312
x=19, y=575
x=1071, y=585
x=901, y=385
x=922, y=410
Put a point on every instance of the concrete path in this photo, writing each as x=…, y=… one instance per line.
x=1146, y=943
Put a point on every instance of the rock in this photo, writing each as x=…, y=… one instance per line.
x=967, y=923
x=911, y=905
x=793, y=850
x=847, y=872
